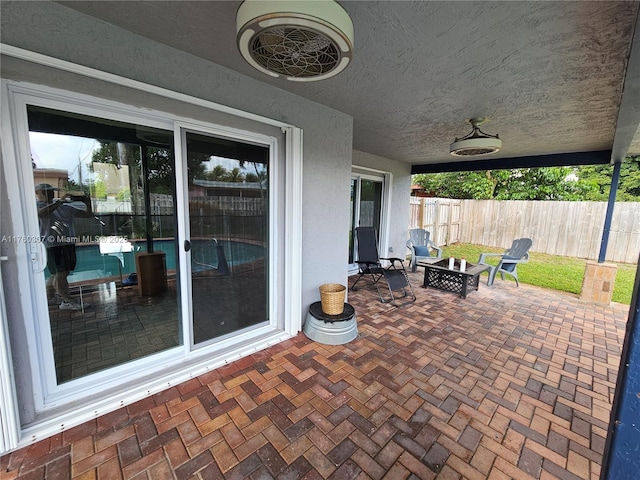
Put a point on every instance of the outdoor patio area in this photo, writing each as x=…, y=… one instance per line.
x=507, y=383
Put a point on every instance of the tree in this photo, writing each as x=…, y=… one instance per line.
x=99, y=189
x=218, y=173
x=72, y=185
x=479, y=185
x=235, y=176
x=124, y=195
x=260, y=175
x=543, y=183
x=251, y=178
x=159, y=164
x=599, y=177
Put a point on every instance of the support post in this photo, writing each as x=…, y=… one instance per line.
x=621, y=458
x=615, y=178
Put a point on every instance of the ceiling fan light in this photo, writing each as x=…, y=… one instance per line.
x=300, y=40
x=477, y=142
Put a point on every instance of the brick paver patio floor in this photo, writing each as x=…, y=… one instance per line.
x=507, y=383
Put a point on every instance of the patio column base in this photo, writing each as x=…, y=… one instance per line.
x=598, y=282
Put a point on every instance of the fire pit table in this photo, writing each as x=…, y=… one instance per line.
x=438, y=275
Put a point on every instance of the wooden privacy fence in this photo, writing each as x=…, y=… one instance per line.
x=441, y=216
x=571, y=229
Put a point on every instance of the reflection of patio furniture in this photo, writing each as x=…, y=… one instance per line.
x=438, y=275
x=116, y=246
x=82, y=279
x=509, y=260
x=152, y=273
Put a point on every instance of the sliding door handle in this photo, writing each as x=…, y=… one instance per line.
x=38, y=257
x=187, y=245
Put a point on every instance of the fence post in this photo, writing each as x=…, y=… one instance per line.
x=436, y=222
x=450, y=226
x=421, y=213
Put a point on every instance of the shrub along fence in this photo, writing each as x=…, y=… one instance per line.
x=572, y=229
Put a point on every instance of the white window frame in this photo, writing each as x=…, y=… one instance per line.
x=185, y=363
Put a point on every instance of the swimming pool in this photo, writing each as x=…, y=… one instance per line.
x=205, y=255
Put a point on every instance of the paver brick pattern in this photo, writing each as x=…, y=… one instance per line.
x=507, y=383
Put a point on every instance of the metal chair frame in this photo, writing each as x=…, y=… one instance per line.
x=370, y=264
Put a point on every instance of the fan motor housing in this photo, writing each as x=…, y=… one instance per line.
x=298, y=40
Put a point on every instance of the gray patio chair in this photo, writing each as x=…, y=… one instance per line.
x=421, y=247
x=509, y=260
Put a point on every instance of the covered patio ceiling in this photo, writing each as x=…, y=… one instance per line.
x=558, y=80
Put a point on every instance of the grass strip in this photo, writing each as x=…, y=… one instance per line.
x=550, y=271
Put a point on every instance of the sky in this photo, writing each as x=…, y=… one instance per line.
x=62, y=152
x=68, y=152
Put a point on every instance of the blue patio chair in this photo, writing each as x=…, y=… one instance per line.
x=509, y=260
x=421, y=247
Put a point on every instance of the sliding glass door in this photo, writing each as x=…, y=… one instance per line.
x=228, y=239
x=365, y=207
x=146, y=244
x=104, y=200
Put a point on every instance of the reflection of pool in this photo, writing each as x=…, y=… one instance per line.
x=204, y=256
x=214, y=254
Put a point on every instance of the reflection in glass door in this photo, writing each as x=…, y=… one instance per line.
x=227, y=184
x=366, y=207
x=105, y=194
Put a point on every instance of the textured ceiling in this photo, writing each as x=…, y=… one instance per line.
x=550, y=75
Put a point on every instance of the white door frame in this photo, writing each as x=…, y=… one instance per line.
x=385, y=178
x=9, y=420
x=182, y=206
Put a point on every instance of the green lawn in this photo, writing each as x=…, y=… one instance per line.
x=551, y=271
